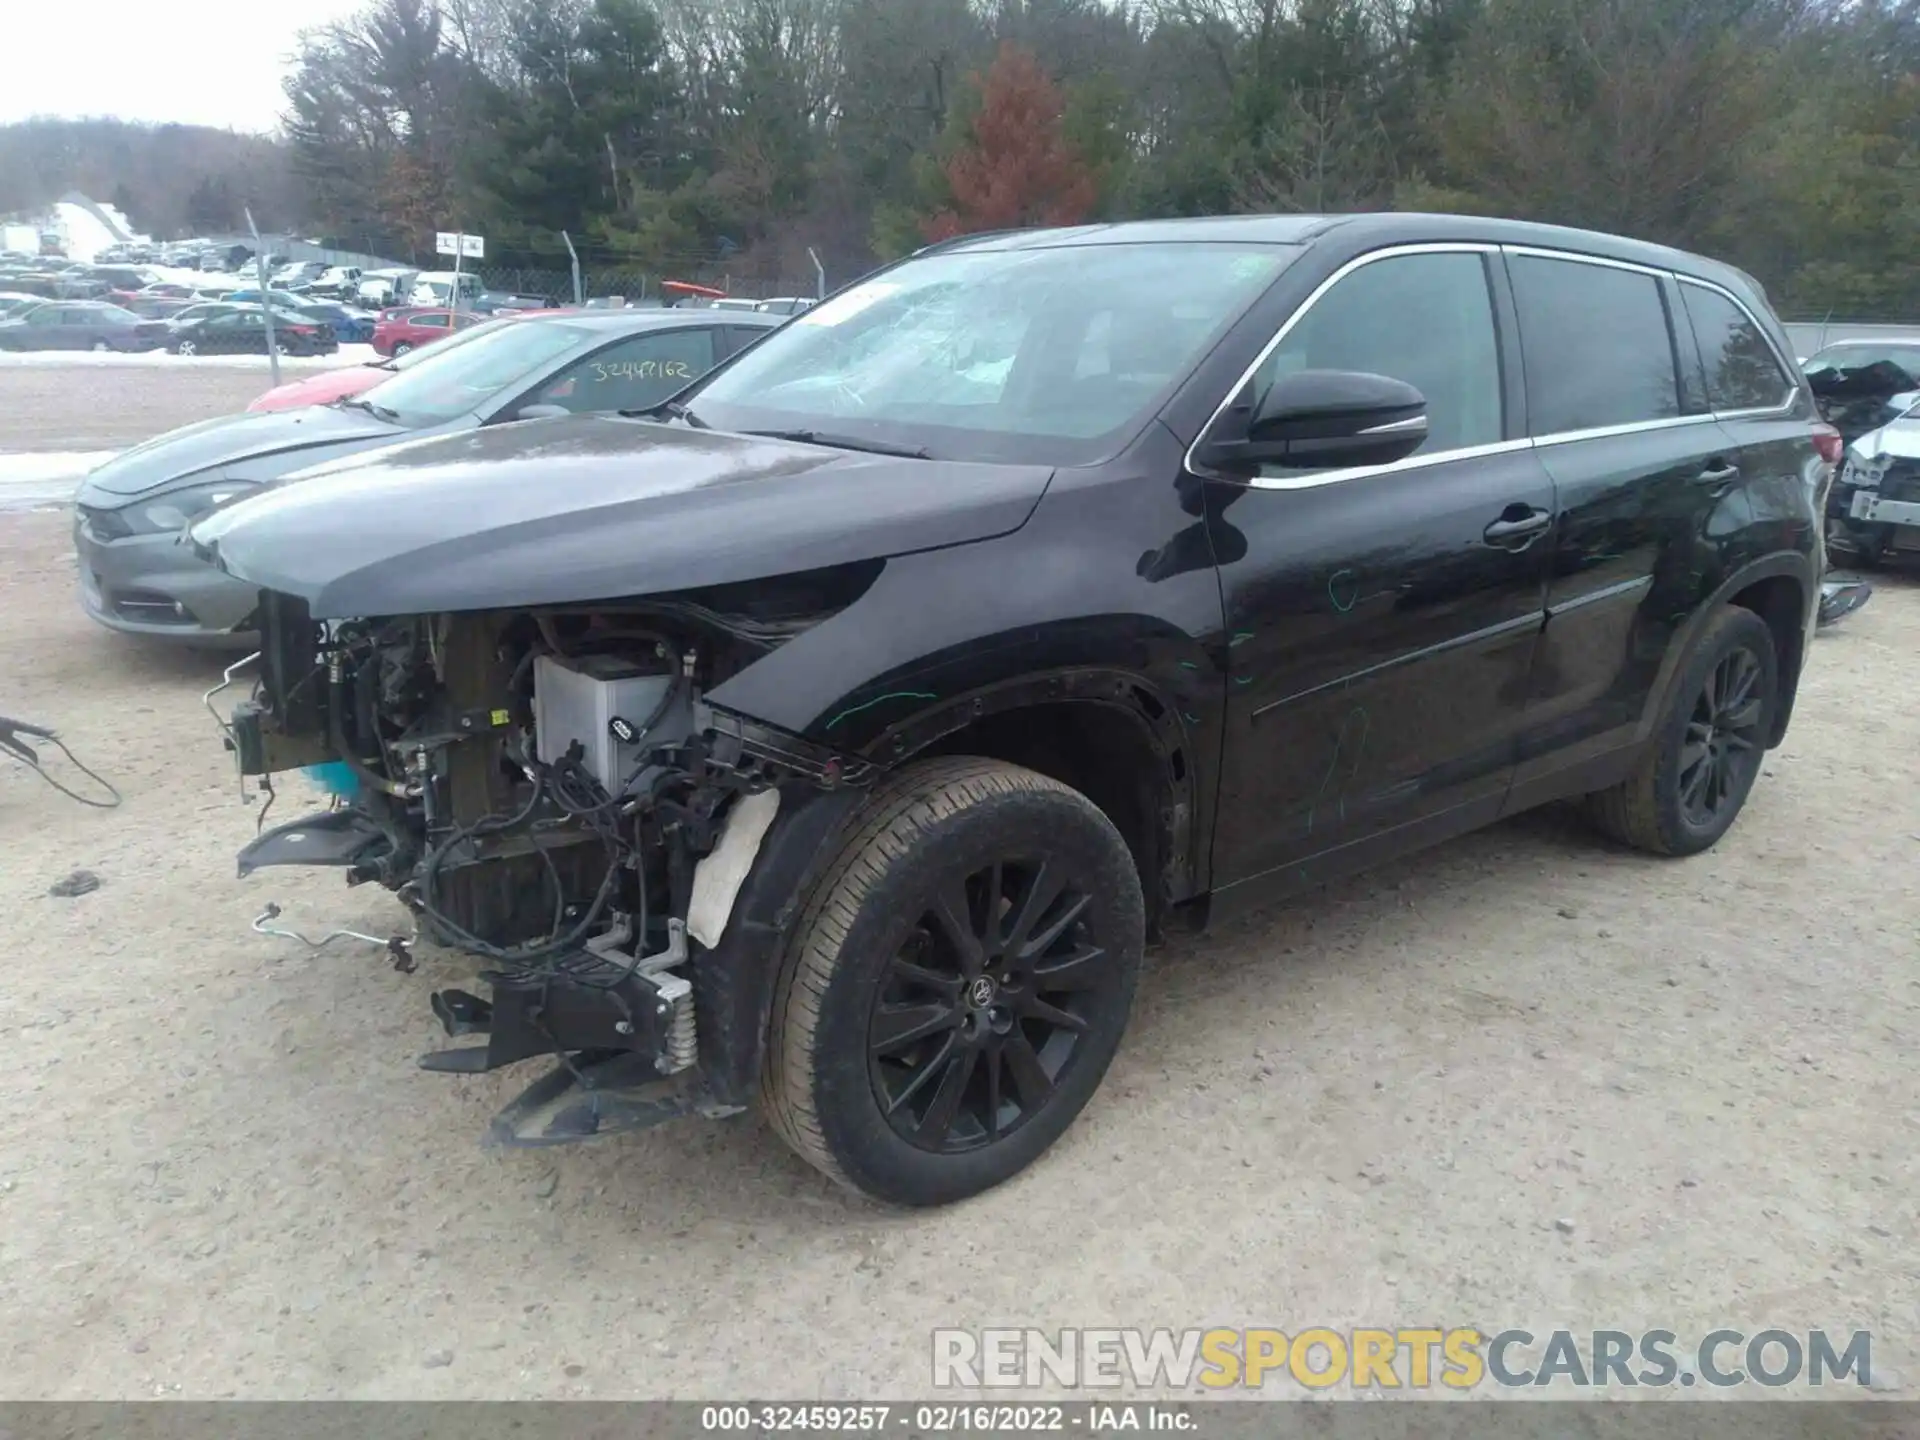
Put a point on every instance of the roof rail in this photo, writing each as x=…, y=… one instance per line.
x=937, y=246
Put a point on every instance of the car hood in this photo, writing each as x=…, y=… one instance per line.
x=1899, y=439
x=552, y=512
x=269, y=443
x=338, y=384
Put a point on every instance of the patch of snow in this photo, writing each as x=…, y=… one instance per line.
x=42, y=477
x=345, y=355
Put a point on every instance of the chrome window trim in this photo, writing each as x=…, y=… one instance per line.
x=1607, y=432
x=1438, y=247
x=1501, y=447
x=1541, y=252
x=1356, y=472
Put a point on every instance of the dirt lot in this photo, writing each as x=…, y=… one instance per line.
x=223, y=1176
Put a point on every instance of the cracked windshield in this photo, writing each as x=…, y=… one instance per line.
x=1070, y=342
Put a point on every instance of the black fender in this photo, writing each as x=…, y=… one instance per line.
x=1180, y=850
x=733, y=983
x=1794, y=564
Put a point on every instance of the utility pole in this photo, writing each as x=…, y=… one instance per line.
x=266, y=295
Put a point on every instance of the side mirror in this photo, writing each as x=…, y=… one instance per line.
x=1321, y=419
x=541, y=412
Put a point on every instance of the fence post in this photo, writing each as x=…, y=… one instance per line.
x=574, y=256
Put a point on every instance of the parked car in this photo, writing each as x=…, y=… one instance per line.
x=1046, y=590
x=163, y=300
x=785, y=305
x=344, y=381
x=79, y=285
x=446, y=288
x=337, y=282
x=493, y=302
x=14, y=301
x=410, y=328
x=79, y=325
x=350, y=327
x=224, y=328
x=380, y=288
x=135, y=577
x=1867, y=390
x=298, y=274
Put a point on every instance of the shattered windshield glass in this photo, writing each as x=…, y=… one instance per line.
x=1065, y=343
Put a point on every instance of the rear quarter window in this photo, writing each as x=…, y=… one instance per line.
x=1741, y=370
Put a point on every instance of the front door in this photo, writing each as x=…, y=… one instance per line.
x=1381, y=621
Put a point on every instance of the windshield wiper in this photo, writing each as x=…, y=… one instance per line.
x=671, y=407
x=379, y=412
x=842, y=442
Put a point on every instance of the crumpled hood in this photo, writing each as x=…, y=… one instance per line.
x=1900, y=439
x=270, y=443
x=595, y=507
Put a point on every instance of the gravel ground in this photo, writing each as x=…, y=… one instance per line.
x=1521, y=1080
x=73, y=407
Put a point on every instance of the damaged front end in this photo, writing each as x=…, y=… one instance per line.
x=550, y=792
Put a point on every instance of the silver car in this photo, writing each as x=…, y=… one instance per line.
x=137, y=574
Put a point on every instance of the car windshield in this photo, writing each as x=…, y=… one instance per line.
x=1047, y=355
x=1859, y=357
x=452, y=379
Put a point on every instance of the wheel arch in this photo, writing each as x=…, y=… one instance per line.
x=1112, y=731
x=1783, y=590
x=1111, y=735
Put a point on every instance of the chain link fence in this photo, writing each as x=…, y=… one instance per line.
x=634, y=286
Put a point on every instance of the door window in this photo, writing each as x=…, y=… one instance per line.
x=1598, y=350
x=1743, y=373
x=1423, y=319
x=636, y=374
x=429, y=322
x=47, y=315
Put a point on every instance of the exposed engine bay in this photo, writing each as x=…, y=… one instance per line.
x=549, y=792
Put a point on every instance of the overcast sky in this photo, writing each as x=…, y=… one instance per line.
x=195, y=62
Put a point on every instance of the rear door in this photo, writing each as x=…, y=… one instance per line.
x=1758, y=402
x=1640, y=467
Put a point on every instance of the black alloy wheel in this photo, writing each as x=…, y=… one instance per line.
x=1723, y=739
x=1692, y=779
x=957, y=982
x=982, y=1010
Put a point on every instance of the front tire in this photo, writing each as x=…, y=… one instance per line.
x=1693, y=780
x=186, y=347
x=957, y=984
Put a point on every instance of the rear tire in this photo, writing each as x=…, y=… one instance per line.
x=401, y=349
x=957, y=984
x=1694, y=778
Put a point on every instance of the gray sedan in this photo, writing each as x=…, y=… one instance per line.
x=79, y=325
x=138, y=576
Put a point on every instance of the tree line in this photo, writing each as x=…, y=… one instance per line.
x=697, y=135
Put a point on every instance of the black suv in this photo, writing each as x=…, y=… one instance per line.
x=837, y=735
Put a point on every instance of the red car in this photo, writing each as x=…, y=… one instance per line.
x=414, y=328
